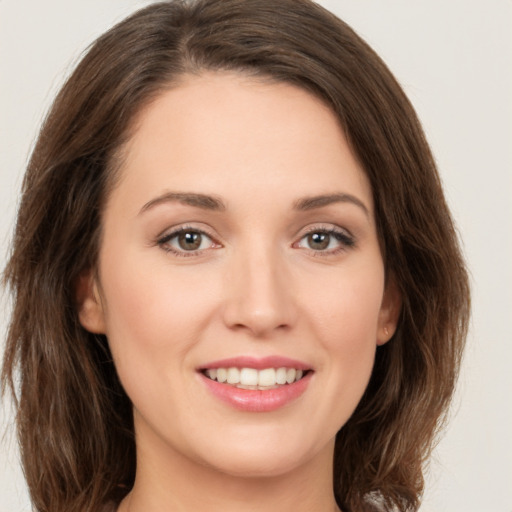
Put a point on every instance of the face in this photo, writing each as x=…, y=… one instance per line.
x=241, y=285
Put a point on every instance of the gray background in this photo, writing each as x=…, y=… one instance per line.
x=454, y=59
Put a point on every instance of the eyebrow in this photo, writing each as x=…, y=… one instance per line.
x=206, y=202
x=311, y=203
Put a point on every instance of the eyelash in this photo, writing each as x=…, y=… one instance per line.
x=163, y=241
x=345, y=240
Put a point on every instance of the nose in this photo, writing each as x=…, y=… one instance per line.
x=259, y=295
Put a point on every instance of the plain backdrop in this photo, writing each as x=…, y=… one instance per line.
x=454, y=60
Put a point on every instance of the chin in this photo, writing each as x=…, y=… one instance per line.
x=264, y=456
x=257, y=465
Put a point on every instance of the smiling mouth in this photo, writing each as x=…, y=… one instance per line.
x=250, y=378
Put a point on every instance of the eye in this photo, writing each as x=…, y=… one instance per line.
x=326, y=240
x=186, y=240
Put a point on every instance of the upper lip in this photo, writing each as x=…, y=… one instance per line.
x=258, y=363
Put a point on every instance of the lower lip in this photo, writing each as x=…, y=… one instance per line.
x=255, y=400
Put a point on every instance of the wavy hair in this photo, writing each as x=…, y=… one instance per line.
x=74, y=419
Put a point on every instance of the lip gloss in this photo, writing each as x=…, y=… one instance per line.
x=256, y=400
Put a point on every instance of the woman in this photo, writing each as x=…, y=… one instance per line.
x=233, y=270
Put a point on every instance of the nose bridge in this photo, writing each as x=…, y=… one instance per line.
x=259, y=298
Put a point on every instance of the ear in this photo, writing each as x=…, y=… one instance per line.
x=90, y=308
x=389, y=312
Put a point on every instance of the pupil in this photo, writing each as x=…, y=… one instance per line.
x=319, y=240
x=189, y=241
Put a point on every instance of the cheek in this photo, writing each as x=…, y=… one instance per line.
x=151, y=312
x=343, y=314
x=348, y=311
x=345, y=319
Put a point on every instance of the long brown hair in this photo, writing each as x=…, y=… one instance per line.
x=74, y=419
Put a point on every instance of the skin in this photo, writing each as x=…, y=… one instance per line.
x=257, y=286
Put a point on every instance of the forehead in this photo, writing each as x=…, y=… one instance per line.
x=220, y=132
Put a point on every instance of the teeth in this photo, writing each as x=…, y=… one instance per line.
x=281, y=376
x=233, y=376
x=267, y=377
x=222, y=374
x=250, y=378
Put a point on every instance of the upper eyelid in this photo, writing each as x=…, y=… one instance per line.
x=325, y=227
x=347, y=239
x=164, y=240
x=180, y=228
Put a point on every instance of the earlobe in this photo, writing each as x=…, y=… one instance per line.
x=389, y=312
x=89, y=305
